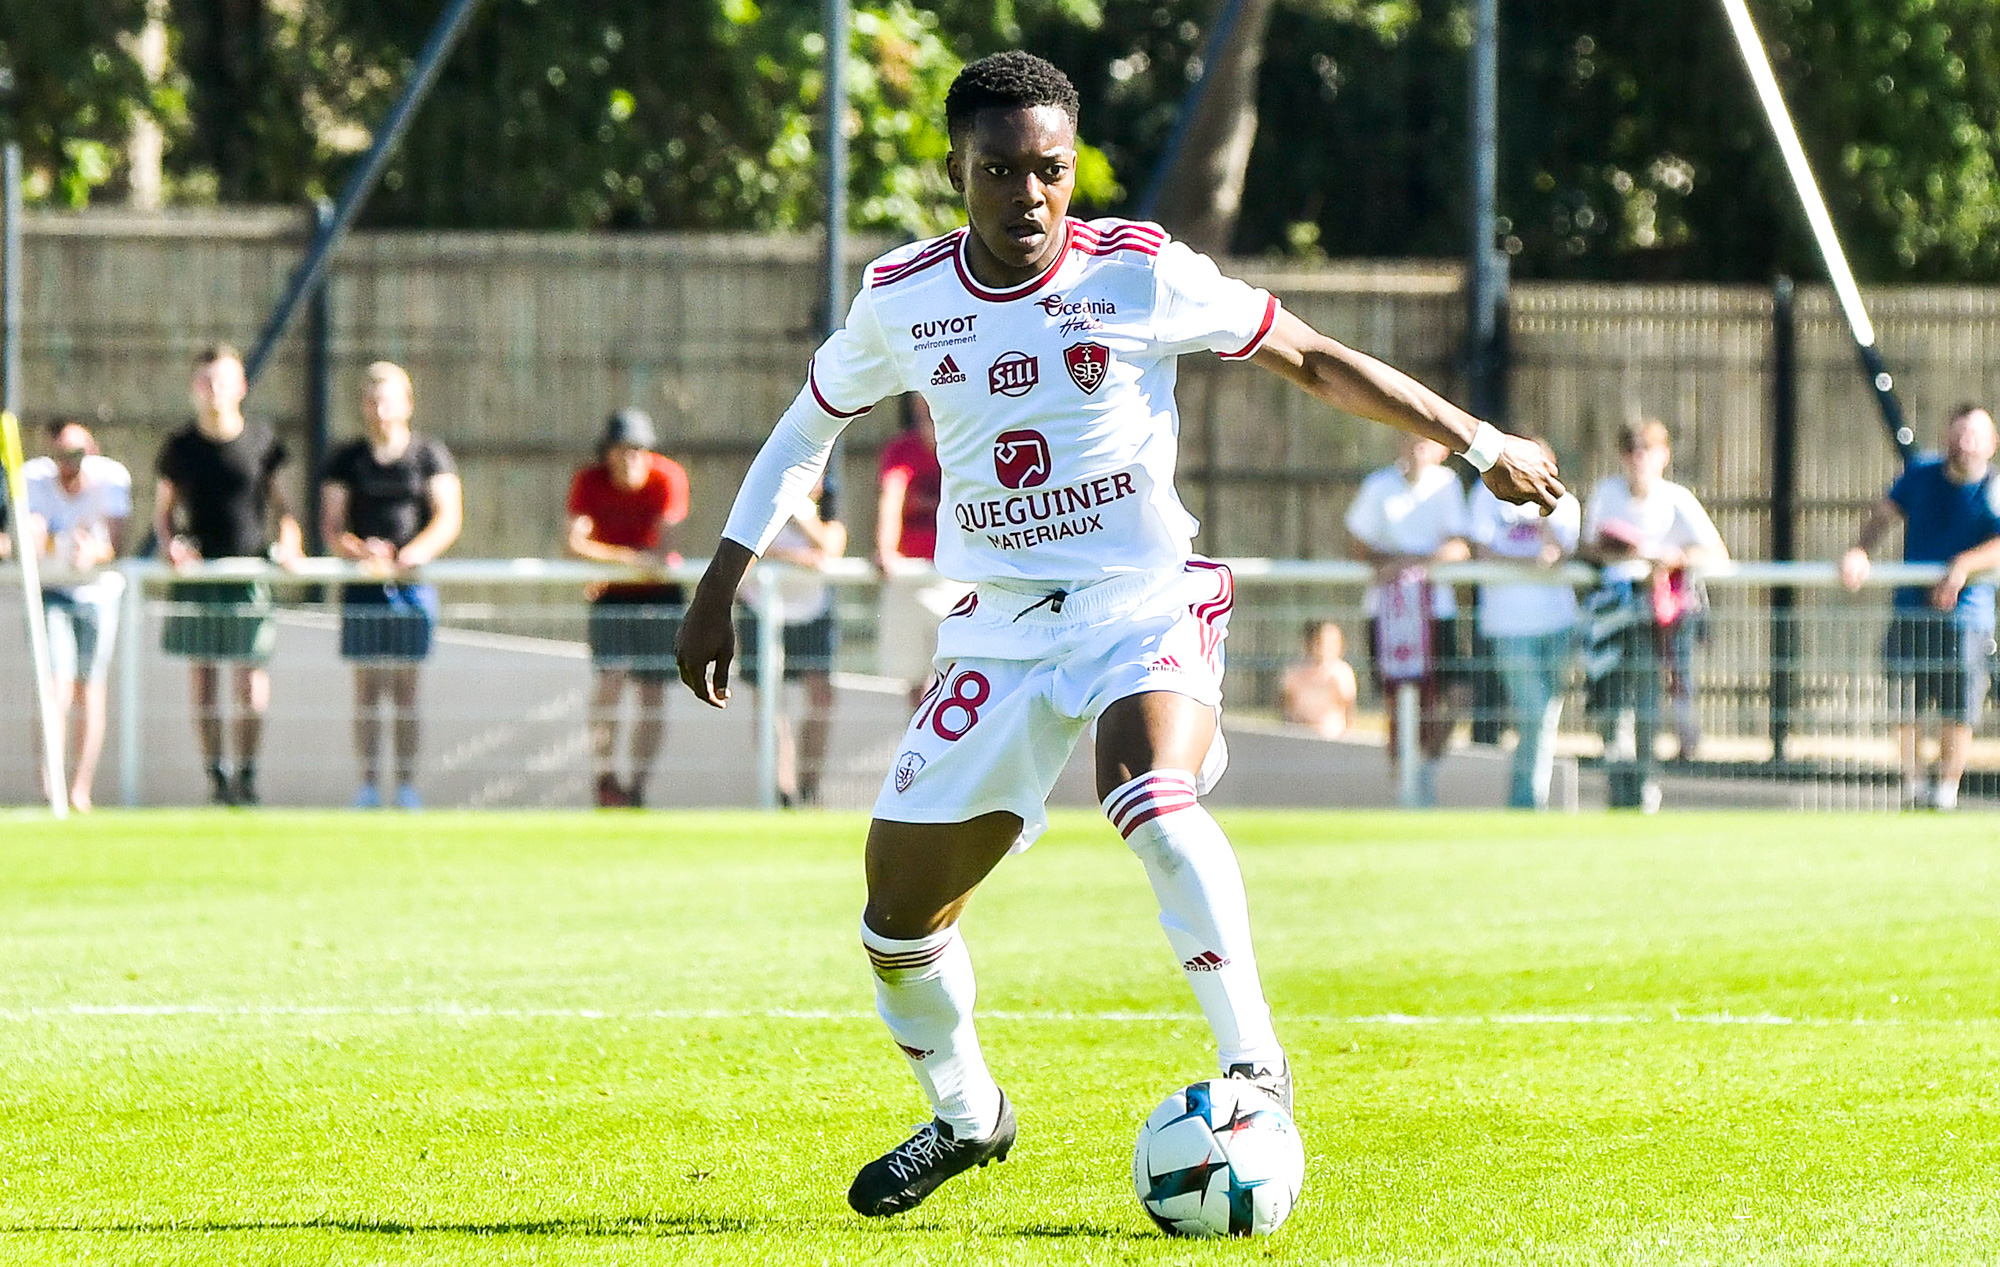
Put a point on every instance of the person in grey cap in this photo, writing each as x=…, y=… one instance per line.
x=623, y=509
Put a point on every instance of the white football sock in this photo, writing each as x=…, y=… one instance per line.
x=924, y=992
x=1202, y=907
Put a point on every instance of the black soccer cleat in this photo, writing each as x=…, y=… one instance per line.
x=1273, y=1080
x=246, y=786
x=901, y=1178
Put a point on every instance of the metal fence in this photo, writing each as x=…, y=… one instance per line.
x=1784, y=687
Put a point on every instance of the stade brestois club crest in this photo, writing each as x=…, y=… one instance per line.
x=1087, y=364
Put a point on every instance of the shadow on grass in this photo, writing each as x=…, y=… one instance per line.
x=647, y=1225
x=1067, y=1231
x=635, y=1226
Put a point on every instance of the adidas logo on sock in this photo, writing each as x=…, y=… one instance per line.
x=947, y=372
x=916, y=1053
x=1206, y=961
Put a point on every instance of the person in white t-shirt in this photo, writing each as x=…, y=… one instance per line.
x=78, y=502
x=810, y=637
x=1403, y=518
x=1652, y=536
x=1047, y=348
x=1531, y=626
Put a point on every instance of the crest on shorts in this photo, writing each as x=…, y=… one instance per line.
x=907, y=766
x=1088, y=363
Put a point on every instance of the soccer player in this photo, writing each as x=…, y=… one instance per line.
x=1939, y=639
x=391, y=501
x=1046, y=347
x=624, y=510
x=220, y=472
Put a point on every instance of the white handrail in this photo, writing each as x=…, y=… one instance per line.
x=858, y=571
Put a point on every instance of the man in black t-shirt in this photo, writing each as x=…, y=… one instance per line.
x=390, y=501
x=217, y=477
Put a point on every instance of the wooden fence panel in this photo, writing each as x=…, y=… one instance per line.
x=520, y=344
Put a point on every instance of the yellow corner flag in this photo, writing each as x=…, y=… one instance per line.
x=38, y=630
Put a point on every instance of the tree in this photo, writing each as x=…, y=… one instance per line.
x=69, y=88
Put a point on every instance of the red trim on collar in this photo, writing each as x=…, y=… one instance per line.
x=978, y=291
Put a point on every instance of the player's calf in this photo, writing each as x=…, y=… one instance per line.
x=1202, y=908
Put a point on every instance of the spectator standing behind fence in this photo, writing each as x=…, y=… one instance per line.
x=1531, y=626
x=219, y=474
x=78, y=502
x=915, y=599
x=1320, y=690
x=1651, y=535
x=623, y=510
x=1940, y=638
x=390, y=501
x=808, y=542
x=1404, y=518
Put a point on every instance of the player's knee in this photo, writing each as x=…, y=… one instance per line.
x=1151, y=798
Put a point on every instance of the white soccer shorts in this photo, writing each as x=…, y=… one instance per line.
x=1020, y=681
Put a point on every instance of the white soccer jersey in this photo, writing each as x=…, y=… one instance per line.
x=1054, y=400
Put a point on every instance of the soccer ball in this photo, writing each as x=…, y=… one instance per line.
x=1219, y=1158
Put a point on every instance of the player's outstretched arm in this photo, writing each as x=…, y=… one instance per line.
x=1516, y=469
x=708, y=638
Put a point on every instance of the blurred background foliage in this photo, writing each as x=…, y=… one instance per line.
x=1632, y=146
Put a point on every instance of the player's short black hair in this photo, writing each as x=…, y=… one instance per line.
x=1007, y=81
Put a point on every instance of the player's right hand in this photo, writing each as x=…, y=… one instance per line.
x=1524, y=473
x=181, y=554
x=705, y=650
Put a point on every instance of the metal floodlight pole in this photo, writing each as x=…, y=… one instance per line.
x=443, y=38
x=1218, y=39
x=1796, y=163
x=1486, y=266
x=10, y=263
x=836, y=20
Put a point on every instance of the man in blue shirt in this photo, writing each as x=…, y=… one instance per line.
x=1940, y=639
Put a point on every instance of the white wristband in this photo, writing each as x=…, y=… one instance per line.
x=1485, y=448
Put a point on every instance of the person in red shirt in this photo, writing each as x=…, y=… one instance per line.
x=623, y=510
x=914, y=598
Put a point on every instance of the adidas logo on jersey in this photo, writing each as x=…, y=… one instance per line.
x=946, y=373
x=1206, y=961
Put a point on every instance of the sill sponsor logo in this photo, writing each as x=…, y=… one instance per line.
x=1014, y=374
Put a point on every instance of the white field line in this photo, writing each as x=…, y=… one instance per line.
x=455, y=1011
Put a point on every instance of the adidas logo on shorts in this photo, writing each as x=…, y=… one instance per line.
x=947, y=372
x=1206, y=961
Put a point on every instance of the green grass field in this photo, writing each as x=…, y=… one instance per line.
x=335, y=1038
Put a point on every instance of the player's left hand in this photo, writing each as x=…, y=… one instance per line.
x=1524, y=473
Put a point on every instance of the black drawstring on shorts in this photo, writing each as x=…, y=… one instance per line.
x=1052, y=600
